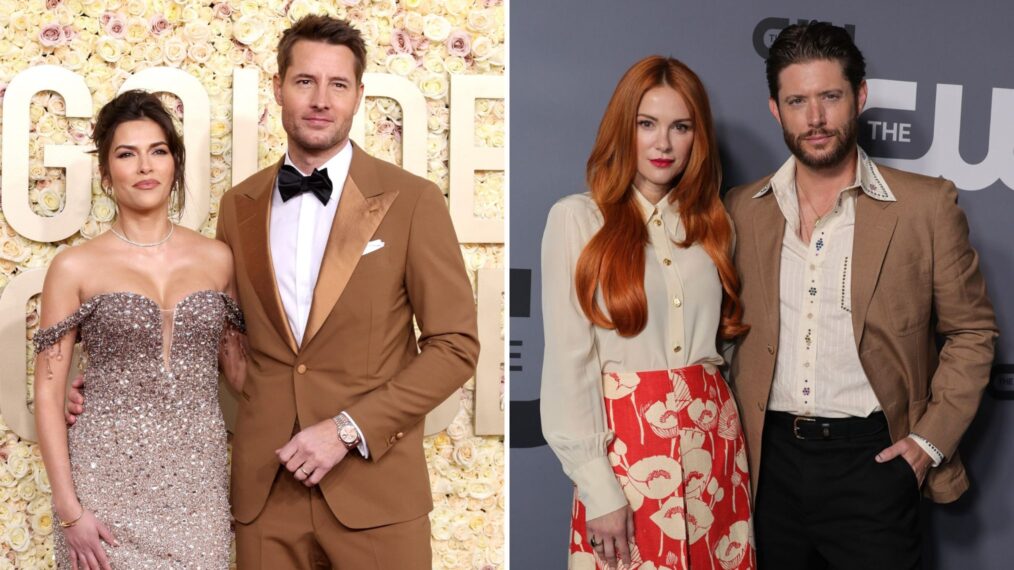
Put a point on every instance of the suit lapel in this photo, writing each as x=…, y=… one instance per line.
x=364, y=203
x=873, y=231
x=769, y=230
x=253, y=211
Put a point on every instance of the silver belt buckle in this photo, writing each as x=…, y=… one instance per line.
x=795, y=425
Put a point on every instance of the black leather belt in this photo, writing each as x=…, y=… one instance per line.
x=813, y=428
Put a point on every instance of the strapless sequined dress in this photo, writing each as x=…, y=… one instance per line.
x=149, y=455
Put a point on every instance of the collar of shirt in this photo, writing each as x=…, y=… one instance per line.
x=783, y=185
x=665, y=210
x=337, y=170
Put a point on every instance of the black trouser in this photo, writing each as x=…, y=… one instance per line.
x=824, y=503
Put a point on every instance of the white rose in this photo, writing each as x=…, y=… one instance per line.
x=199, y=52
x=109, y=49
x=401, y=64
x=90, y=229
x=455, y=65
x=137, y=30
x=174, y=51
x=17, y=465
x=19, y=538
x=42, y=523
x=436, y=28
x=196, y=32
x=482, y=48
x=49, y=201
x=479, y=21
x=414, y=22
x=103, y=209
x=434, y=86
x=248, y=30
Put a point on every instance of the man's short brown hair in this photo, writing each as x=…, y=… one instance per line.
x=324, y=29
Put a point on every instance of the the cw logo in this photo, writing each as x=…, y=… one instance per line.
x=943, y=157
x=767, y=30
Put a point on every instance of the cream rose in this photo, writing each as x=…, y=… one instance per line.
x=196, y=32
x=434, y=86
x=414, y=22
x=455, y=65
x=103, y=209
x=137, y=30
x=482, y=48
x=479, y=21
x=174, y=51
x=19, y=538
x=248, y=30
x=42, y=523
x=199, y=52
x=436, y=28
x=49, y=201
x=109, y=49
x=401, y=64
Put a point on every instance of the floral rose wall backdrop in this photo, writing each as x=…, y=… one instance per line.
x=422, y=53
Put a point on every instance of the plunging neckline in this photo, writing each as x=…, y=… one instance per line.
x=166, y=356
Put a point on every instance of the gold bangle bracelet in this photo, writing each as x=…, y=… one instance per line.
x=68, y=524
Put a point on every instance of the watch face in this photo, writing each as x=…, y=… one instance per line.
x=348, y=434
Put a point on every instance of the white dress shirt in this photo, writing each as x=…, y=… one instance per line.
x=298, y=233
x=818, y=372
x=684, y=296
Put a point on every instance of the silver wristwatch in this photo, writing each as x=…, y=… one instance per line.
x=347, y=433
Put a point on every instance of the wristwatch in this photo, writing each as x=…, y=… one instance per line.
x=347, y=433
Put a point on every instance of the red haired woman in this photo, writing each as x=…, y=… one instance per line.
x=637, y=288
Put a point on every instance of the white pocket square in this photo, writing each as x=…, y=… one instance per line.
x=373, y=246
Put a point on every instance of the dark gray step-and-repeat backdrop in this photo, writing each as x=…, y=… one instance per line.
x=941, y=85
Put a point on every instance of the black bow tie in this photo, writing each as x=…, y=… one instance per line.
x=291, y=183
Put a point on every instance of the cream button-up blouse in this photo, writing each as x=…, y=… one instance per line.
x=684, y=296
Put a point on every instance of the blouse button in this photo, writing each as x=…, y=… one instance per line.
x=667, y=262
x=658, y=222
x=676, y=302
x=677, y=348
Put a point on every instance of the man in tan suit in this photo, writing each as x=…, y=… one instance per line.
x=850, y=271
x=336, y=252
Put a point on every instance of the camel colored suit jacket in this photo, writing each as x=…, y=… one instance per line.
x=915, y=276
x=359, y=351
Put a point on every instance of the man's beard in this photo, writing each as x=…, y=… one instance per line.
x=844, y=143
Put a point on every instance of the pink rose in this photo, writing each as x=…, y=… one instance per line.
x=459, y=43
x=158, y=25
x=115, y=26
x=223, y=10
x=51, y=35
x=69, y=33
x=401, y=42
x=105, y=17
x=52, y=4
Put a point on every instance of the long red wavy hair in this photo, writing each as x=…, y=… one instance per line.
x=613, y=261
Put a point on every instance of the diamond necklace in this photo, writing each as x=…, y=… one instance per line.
x=172, y=228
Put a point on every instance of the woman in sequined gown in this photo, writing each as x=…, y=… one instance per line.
x=637, y=286
x=140, y=481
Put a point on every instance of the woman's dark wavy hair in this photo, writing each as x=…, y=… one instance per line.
x=137, y=105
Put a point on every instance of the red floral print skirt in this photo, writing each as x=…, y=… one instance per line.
x=680, y=457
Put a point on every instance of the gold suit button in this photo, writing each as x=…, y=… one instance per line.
x=676, y=302
x=658, y=222
x=301, y=369
x=677, y=348
x=667, y=262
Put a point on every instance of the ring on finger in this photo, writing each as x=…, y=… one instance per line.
x=304, y=471
x=595, y=543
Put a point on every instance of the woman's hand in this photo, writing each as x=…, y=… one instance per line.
x=232, y=358
x=611, y=536
x=84, y=540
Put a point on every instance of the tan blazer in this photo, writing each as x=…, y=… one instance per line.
x=915, y=276
x=359, y=351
